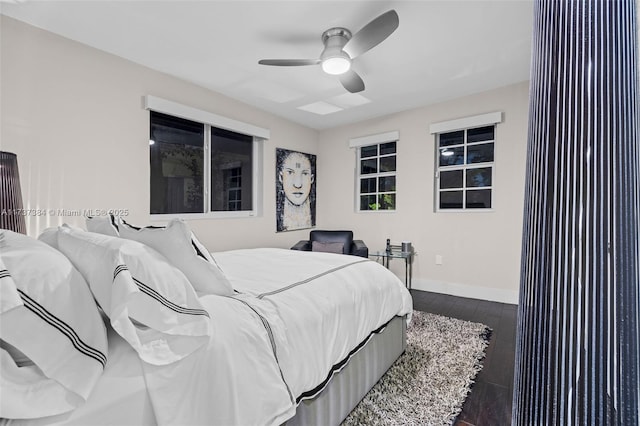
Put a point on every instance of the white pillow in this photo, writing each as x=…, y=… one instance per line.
x=50, y=235
x=149, y=302
x=107, y=225
x=183, y=250
x=47, y=314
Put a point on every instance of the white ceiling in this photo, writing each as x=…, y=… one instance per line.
x=441, y=50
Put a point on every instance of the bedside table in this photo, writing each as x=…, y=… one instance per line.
x=384, y=257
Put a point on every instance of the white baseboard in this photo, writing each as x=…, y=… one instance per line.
x=466, y=290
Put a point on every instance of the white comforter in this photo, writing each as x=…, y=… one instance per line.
x=298, y=315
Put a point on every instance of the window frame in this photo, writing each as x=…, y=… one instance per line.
x=368, y=141
x=210, y=120
x=465, y=123
x=464, y=167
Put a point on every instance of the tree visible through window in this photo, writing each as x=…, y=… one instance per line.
x=377, y=176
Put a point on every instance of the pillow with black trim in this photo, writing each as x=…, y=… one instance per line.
x=107, y=225
x=183, y=250
x=149, y=302
x=327, y=247
x=53, y=343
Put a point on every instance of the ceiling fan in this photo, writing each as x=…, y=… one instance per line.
x=341, y=47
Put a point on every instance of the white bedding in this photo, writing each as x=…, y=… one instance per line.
x=297, y=316
x=119, y=398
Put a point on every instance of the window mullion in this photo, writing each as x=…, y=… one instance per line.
x=464, y=170
x=207, y=168
x=256, y=176
x=481, y=142
x=466, y=160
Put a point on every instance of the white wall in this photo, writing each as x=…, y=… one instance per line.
x=74, y=117
x=480, y=250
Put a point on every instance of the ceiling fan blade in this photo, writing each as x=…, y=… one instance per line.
x=289, y=62
x=372, y=34
x=352, y=81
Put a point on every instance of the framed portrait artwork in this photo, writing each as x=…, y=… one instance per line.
x=295, y=190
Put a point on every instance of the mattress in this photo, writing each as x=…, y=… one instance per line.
x=349, y=385
x=119, y=398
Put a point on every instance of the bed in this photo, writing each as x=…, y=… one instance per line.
x=289, y=337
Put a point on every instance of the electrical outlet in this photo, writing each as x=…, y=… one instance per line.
x=438, y=259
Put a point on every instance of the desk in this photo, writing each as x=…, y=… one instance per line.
x=385, y=257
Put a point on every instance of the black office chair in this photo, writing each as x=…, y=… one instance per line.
x=333, y=241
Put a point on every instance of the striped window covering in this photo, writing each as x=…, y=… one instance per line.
x=578, y=329
x=11, y=210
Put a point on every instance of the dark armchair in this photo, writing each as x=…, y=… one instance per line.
x=333, y=241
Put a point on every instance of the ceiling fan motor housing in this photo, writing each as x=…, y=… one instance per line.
x=334, y=40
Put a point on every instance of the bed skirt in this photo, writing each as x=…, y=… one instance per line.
x=352, y=383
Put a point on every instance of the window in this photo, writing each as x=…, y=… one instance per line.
x=233, y=188
x=377, y=176
x=177, y=165
x=199, y=169
x=465, y=168
x=231, y=171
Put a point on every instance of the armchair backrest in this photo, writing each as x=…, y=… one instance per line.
x=345, y=237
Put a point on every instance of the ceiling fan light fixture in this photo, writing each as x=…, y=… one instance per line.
x=336, y=65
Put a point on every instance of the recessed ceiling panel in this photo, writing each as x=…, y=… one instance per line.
x=321, y=108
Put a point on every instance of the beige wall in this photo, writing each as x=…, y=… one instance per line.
x=480, y=250
x=74, y=117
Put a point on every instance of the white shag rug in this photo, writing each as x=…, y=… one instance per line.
x=428, y=384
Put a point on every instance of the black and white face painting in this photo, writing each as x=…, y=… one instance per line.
x=295, y=190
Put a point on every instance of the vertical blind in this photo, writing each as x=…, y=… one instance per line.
x=11, y=214
x=578, y=338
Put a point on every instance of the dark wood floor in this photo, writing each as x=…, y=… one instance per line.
x=490, y=400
